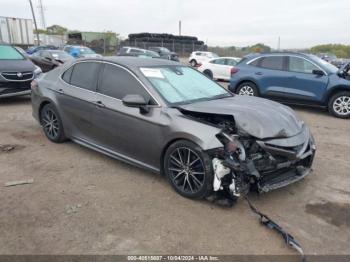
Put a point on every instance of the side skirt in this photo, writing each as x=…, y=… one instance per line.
x=115, y=155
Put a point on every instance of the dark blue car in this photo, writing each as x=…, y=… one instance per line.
x=293, y=78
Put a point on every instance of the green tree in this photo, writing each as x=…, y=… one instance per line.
x=259, y=48
x=341, y=51
x=56, y=30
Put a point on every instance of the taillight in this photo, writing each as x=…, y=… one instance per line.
x=234, y=70
x=34, y=84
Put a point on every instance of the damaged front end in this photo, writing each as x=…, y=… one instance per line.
x=246, y=163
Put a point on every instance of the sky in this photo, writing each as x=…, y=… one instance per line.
x=298, y=23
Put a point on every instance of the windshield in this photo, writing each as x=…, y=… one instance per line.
x=9, y=53
x=329, y=67
x=183, y=85
x=60, y=55
x=164, y=50
x=213, y=55
x=86, y=51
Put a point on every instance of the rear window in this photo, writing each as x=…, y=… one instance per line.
x=272, y=62
x=9, y=53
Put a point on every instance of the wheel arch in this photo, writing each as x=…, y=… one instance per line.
x=165, y=148
x=333, y=91
x=42, y=104
x=209, y=71
x=247, y=80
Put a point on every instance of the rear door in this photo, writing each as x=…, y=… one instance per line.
x=219, y=68
x=121, y=129
x=76, y=98
x=270, y=72
x=303, y=85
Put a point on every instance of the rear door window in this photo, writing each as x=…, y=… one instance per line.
x=272, y=62
x=85, y=75
x=116, y=82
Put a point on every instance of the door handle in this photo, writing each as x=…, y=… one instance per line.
x=259, y=73
x=100, y=104
x=60, y=91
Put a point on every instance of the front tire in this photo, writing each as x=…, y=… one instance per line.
x=247, y=89
x=339, y=105
x=52, y=124
x=193, y=62
x=188, y=169
x=208, y=73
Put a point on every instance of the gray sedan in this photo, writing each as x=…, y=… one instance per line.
x=169, y=118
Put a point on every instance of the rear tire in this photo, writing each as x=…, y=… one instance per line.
x=339, y=105
x=188, y=169
x=247, y=89
x=52, y=124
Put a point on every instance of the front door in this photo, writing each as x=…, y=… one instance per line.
x=303, y=84
x=126, y=131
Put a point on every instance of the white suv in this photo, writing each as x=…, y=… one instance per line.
x=198, y=57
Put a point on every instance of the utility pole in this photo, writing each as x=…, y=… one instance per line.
x=180, y=27
x=36, y=28
x=42, y=14
x=279, y=44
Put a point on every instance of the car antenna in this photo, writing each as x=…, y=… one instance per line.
x=265, y=220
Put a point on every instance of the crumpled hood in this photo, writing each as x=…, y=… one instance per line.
x=258, y=117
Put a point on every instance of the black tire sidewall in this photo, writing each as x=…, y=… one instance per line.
x=61, y=136
x=208, y=178
x=331, y=101
x=208, y=73
x=252, y=85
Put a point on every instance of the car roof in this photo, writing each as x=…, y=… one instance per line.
x=134, y=63
x=276, y=53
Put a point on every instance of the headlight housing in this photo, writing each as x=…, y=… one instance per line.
x=37, y=71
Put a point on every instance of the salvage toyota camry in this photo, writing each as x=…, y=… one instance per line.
x=171, y=119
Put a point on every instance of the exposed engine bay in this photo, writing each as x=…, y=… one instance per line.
x=246, y=163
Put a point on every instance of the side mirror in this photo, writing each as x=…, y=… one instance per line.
x=318, y=72
x=48, y=58
x=136, y=101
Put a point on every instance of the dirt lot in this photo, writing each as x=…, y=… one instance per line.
x=82, y=202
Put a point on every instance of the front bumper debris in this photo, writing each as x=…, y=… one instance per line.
x=262, y=165
x=289, y=239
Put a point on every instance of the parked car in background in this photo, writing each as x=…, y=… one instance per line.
x=49, y=59
x=339, y=62
x=33, y=49
x=171, y=119
x=80, y=51
x=165, y=53
x=219, y=68
x=327, y=57
x=16, y=72
x=293, y=78
x=138, y=52
x=198, y=57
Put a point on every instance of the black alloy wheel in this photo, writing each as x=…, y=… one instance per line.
x=188, y=169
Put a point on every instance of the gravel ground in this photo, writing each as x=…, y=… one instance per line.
x=82, y=202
